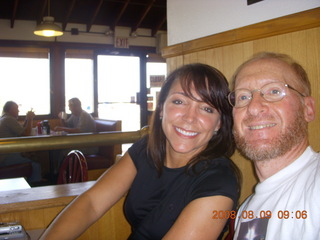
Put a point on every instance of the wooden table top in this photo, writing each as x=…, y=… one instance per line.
x=41, y=197
x=13, y=184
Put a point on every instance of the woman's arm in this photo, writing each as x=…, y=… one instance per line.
x=197, y=220
x=91, y=205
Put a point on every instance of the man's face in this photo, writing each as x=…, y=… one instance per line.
x=266, y=130
x=72, y=107
x=14, y=110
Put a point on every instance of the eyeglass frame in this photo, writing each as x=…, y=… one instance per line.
x=284, y=93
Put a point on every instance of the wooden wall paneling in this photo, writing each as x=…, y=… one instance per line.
x=284, y=43
x=187, y=58
x=191, y=58
x=265, y=44
x=238, y=54
x=228, y=56
x=209, y=57
x=216, y=58
x=313, y=69
x=202, y=57
x=249, y=179
x=299, y=47
x=174, y=63
x=170, y=64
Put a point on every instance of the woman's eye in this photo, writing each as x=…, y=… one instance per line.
x=208, y=109
x=177, y=101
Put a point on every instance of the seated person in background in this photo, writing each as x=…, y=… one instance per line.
x=79, y=122
x=10, y=127
x=177, y=176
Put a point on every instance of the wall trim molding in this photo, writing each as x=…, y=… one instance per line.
x=290, y=23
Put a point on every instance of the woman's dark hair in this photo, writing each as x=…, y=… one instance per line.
x=212, y=87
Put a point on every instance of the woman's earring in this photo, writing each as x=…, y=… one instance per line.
x=215, y=132
x=160, y=117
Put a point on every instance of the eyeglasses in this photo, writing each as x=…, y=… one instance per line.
x=271, y=92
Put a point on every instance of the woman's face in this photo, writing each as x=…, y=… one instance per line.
x=188, y=124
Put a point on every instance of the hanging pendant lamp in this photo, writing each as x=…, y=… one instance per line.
x=47, y=28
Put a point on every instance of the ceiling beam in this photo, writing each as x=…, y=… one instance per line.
x=124, y=7
x=14, y=13
x=160, y=24
x=42, y=12
x=89, y=25
x=70, y=10
x=146, y=11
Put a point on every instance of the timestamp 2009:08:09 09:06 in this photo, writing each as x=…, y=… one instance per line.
x=285, y=214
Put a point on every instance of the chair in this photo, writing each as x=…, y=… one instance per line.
x=105, y=157
x=73, y=169
x=106, y=154
x=16, y=170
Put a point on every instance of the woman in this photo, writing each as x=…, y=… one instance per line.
x=178, y=174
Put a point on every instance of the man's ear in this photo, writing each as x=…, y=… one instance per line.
x=309, y=109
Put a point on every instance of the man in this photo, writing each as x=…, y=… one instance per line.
x=79, y=122
x=272, y=108
x=10, y=127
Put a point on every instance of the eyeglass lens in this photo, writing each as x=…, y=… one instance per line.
x=271, y=92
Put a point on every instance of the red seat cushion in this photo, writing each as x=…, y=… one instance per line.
x=96, y=161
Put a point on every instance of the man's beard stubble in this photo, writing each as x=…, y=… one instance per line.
x=293, y=135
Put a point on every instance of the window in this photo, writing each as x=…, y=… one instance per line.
x=79, y=78
x=25, y=79
x=118, y=87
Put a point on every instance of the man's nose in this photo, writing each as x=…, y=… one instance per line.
x=257, y=103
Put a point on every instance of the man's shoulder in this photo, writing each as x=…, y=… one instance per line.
x=85, y=114
x=8, y=120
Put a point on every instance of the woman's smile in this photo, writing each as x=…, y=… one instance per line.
x=187, y=133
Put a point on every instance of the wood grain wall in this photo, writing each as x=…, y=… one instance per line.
x=297, y=35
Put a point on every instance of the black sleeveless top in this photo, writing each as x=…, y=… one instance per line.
x=154, y=203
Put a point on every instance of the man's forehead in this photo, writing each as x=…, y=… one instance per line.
x=264, y=71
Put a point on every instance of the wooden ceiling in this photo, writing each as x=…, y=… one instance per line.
x=150, y=14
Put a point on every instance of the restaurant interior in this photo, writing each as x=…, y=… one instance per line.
x=113, y=55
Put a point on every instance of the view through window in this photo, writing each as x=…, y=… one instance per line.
x=79, y=82
x=26, y=81
x=118, y=85
x=119, y=89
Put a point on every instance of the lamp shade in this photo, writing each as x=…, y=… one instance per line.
x=47, y=28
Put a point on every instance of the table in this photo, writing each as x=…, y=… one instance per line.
x=13, y=184
x=35, y=209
